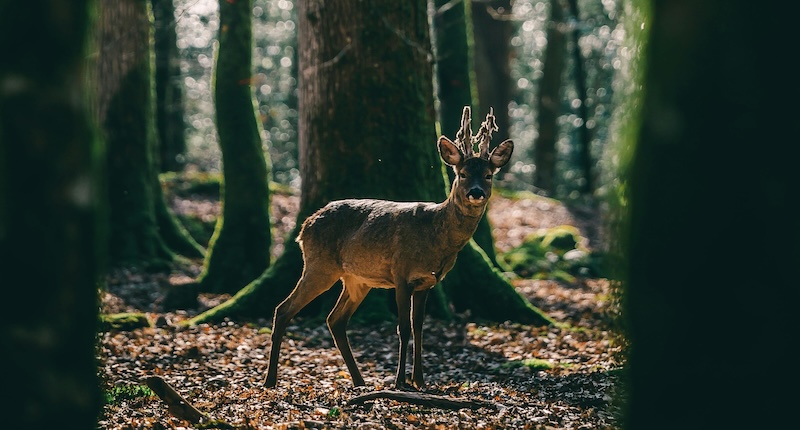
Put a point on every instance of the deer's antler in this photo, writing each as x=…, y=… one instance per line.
x=484, y=136
x=464, y=135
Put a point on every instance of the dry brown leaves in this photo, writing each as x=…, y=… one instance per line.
x=220, y=368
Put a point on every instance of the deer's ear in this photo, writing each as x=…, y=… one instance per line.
x=500, y=155
x=449, y=151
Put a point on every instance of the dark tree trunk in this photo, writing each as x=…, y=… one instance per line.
x=50, y=218
x=714, y=163
x=367, y=130
x=549, y=103
x=492, y=33
x=169, y=89
x=585, y=159
x=239, y=250
x=453, y=42
x=140, y=223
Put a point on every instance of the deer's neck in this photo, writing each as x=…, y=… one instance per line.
x=459, y=220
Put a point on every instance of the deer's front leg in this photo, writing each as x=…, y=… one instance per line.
x=403, y=297
x=417, y=317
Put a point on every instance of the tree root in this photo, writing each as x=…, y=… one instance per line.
x=424, y=399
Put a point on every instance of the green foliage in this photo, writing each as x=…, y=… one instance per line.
x=555, y=253
x=334, y=412
x=126, y=393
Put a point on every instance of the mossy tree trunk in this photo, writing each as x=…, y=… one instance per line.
x=712, y=92
x=455, y=82
x=548, y=106
x=239, y=250
x=142, y=230
x=50, y=218
x=169, y=89
x=367, y=130
x=492, y=60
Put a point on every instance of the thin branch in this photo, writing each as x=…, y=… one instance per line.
x=447, y=6
x=330, y=62
x=428, y=55
x=424, y=399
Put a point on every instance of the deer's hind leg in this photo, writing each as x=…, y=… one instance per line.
x=310, y=286
x=353, y=294
x=419, y=298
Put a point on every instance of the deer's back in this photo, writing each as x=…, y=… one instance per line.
x=373, y=239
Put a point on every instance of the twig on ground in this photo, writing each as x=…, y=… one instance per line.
x=424, y=399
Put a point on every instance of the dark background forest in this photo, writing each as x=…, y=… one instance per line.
x=634, y=268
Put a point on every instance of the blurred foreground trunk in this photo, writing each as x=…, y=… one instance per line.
x=51, y=218
x=711, y=297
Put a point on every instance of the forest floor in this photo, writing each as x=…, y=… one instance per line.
x=563, y=377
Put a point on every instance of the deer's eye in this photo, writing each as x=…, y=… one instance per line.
x=462, y=175
x=489, y=177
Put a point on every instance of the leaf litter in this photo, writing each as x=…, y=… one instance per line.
x=565, y=377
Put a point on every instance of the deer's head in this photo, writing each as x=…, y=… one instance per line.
x=474, y=170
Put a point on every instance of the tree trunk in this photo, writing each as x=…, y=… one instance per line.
x=453, y=41
x=585, y=161
x=50, y=218
x=138, y=222
x=239, y=250
x=549, y=103
x=492, y=33
x=713, y=166
x=169, y=89
x=367, y=130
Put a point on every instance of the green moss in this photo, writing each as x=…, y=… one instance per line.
x=123, y=321
x=200, y=229
x=126, y=393
x=533, y=364
x=186, y=184
x=555, y=253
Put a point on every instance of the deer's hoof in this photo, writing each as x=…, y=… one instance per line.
x=403, y=386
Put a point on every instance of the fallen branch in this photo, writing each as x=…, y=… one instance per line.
x=423, y=399
x=176, y=404
x=181, y=408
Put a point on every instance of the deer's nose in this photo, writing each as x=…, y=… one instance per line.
x=476, y=193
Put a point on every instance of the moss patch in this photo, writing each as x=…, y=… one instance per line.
x=127, y=393
x=123, y=321
x=555, y=253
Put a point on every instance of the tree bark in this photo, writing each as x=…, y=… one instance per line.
x=239, y=250
x=139, y=219
x=492, y=33
x=549, y=103
x=367, y=130
x=455, y=82
x=713, y=163
x=169, y=89
x=51, y=223
x=585, y=159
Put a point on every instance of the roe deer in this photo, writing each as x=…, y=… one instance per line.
x=401, y=245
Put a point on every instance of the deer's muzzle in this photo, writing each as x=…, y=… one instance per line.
x=476, y=193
